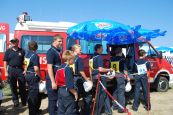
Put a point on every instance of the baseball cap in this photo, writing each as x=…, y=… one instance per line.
x=14, y=40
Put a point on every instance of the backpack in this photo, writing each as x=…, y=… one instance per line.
x=60, y=77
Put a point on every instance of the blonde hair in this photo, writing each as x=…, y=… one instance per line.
x=74, y=47
x=67, y=55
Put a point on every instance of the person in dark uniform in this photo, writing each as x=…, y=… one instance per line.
x=67, y=95
x=80, y=78
x=118, y=64
x=53, y=63
x=32, y=75
x=102, y=98
x=141, y=80
x=13, y=66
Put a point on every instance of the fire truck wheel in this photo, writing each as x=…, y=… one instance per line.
x=162, y=84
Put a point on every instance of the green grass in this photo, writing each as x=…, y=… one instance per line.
x=6, y=90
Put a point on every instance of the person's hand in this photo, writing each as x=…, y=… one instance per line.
x=54, y=86
x=88, y=79
x=24, y=72
x=6, y=75
x=128, y=79
x=76, y=96
x=110, y=78
x=111, y=70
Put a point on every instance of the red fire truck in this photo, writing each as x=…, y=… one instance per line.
x=4, y=38
x=161, y=70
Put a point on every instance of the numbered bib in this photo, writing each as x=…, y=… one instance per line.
x=26, y=62
x=91, y=64
x=142, y=69
x=115, y=66
x=73, y=68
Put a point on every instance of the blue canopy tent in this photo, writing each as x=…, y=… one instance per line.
x=112, y=32
x=163, y=48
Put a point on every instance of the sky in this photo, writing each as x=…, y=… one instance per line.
x=151, y=14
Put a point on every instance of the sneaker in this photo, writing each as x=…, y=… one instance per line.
x=146, y=108
x=114, y=108
x=16, y=104
x=134, y=109
x=120, y=111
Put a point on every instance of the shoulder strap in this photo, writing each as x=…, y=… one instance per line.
x=55, y=51
x=95, y=56
x=31, y=56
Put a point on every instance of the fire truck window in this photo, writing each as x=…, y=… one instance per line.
x=88, y=46
x=150, y=51
x=70, y=42
x=44, y=42
x=2, y=42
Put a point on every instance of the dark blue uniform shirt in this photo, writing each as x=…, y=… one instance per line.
x=142, y=61
x=122, y=63
x=79, y=65
x=69, y=79
x=97, y=61
x=34, y=60
x=53, y=57
x=14, y=58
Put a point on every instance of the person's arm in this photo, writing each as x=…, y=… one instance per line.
x=100, y=65
x=74, y=92
x=6, y=63
x=125, y=70
x=70, y=82
x=101, y=69
x=50, y=59
x=36, y=63
x=84, y=76
x=148, y=69
x=37, y=70
x=51, y=75
x=5, y=69
x=80, y=66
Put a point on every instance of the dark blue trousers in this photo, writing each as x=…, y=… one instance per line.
x=103, y=101
x=66, y=102
x=87, y=96
x=16, y=75
x=33, y=93
x=52, y=97
x=119, y=92
x=141, y=81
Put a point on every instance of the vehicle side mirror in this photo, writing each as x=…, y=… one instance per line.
x=160, y=55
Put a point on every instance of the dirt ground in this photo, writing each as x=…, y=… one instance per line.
x=161, y=104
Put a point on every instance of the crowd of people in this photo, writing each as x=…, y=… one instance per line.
x=66, y=78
